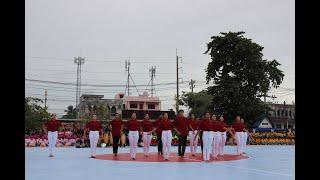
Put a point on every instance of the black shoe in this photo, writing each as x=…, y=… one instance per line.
x=92, y=157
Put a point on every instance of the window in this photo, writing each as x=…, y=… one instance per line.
x=265, y=123
x=278, y=113
x=290, y=114
x=121, y=96
x=151, y=106
x=141, y=106
x=286, y=112
x=134, y=106
x=282, y=113
x=278, y=126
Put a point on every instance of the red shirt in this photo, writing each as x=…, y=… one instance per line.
x=94, y=125
x=182, y=125
x=238, y=127
x=133, y=125
x=194, y=124
x=166, y=125
x=216, y=126
x=223, y=124
x=53, y=125
x=157, y=124
x=146, y=125
x=245, y=126
x=116, y=126
x=206, y=125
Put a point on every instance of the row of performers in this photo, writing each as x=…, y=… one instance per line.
x=210, y=129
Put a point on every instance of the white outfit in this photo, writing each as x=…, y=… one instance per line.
x=216, y=143
x=166, y=138
x=244, y=144
x=239, y=140
x=146, y=142
x=52, y=138
x=193, y=139
x=207, y=144
x=133, y=141
x=222, y=142
x=94, y=138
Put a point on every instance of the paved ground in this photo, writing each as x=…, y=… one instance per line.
x=265, y=163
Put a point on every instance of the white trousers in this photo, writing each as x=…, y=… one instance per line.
x=193, y=139
x=146, y=142
x=222, y=142
x=244, y=143
x=52, y=138
x=216, y=143
x=239, y=140
x=94, y=138
x=166, y=138
x=207, y=144
x=133, y=141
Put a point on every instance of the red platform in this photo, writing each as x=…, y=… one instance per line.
x=154, y=157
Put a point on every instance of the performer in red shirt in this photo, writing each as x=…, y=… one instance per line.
x=94, y=126
x=52, y=128
x=181, y=127
x=244, y=136
x=158, y=132
x=116, y=128
x=223, y=131
x=238, y=127
x=133, y=126
x=146, y=129
x=193, y=134
x=166, y=135
x=216, y=125
x=207, y=134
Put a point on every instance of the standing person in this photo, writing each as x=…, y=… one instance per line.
x=207, y=134
x=159, y=132
x=166, y=136
x=216, y=127
x=94, y=126
x=181, y=127
x=200, y=134
x=52, y=128
x=238, y=127
x=116, y=127
x=133, y=126
x=224, y=128
x=244, y=136
x=193, y=134
x=146, y=129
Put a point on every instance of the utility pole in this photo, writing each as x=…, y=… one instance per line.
x=45, y=98
x=177, y=98
x=191, y=83
x=78, y=61
x=153, y=74
x=265, y=99
x=127, y=68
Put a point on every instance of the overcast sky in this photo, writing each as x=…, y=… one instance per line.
x=147, y=32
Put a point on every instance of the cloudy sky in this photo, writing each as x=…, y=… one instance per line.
x=146, y=32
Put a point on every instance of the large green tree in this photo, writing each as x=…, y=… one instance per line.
x=35, y=114
x=198, y=103
x=71, y=113
x=239, y=74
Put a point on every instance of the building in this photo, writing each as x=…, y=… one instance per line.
x=143, y=102
x=263, y=123
x=282, y=116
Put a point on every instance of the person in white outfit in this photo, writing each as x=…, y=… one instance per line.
x=238, y=127
x=146, y=129
x=206, y=127
x=245, y=136
x=166, y=135
x=134, y=127
x=223, y=136
x=217, y=128
x=52, y=128
x=193, y=134
x=94, y=127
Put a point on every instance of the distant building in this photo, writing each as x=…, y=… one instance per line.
x=282, y=116
x=142, y=102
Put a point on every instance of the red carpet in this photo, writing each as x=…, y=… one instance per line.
x=154, y=157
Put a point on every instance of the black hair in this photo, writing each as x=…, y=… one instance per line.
x=181, y=110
